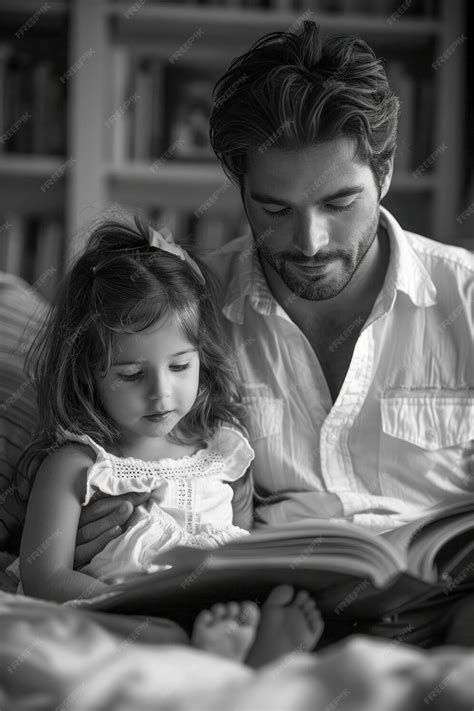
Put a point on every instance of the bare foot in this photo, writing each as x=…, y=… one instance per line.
x=227, y=629
x=289, y=623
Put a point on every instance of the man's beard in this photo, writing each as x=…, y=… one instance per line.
x=326, y=286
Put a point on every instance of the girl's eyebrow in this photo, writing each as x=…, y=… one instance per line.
x=343, y=192
x=143, y=360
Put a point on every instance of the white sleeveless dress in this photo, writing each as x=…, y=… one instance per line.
x=191, y=502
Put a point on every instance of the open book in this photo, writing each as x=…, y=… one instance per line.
x=353, y=574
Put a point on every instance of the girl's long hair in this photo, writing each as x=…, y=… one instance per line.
x=120, y=284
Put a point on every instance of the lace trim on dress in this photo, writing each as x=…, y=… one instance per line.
x=202, y=463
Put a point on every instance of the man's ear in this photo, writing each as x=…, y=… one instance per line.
x=387, y=178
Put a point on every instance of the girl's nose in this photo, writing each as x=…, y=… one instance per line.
x=159, y=387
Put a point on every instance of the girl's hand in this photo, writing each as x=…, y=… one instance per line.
x=101, y=521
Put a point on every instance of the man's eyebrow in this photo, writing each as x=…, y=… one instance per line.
x=273, y=200
x=140, y=362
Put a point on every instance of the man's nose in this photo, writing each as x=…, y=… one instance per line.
x=313, y=233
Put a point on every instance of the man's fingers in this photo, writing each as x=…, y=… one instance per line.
x=116, y=517
x=99, y=508
x=101, y=521
x=85, y=552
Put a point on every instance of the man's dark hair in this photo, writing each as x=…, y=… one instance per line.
x=291, y=91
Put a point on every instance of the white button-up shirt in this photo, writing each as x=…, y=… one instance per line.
x=396, y=440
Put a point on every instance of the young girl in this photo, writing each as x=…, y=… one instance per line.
x=136, y=395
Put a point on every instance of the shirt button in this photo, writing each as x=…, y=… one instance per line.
x=332, y=437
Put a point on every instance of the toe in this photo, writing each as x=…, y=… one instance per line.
x=249, y=614
x=315, y=621
x=281, y=595
x=204, y=618
x=219, y=610
x=309, y=605
x=233, y=610
x=301, y=598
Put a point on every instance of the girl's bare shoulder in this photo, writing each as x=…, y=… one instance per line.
x=67, y=465
x=74, y=453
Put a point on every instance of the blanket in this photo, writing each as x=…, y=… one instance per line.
x=59, y=657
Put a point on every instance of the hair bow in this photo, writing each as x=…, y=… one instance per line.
x=163, y=240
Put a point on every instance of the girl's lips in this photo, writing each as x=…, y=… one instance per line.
x=158, y=416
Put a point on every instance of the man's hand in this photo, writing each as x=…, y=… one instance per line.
x=101, y=521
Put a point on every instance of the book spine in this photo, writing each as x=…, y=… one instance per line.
x=156, y=117
x=47, y=257
x=404, y=86
x=119, y=116
x=12, y=245
x=5, y=53
x=40, y=107
x=212, y=231
x=143, y=111
x=425, y=99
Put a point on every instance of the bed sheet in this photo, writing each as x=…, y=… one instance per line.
x=58, y=657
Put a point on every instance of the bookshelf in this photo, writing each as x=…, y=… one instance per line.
x=124, y=51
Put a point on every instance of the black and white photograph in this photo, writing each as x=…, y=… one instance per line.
x=236, y=355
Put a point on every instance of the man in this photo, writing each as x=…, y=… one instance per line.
x=352, y=338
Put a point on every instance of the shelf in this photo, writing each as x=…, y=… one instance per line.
x=21, y=178
x=234, y=29
x=181, y=185
x=406, y=182
x=189, y=185
x=51, y=21
x=28, y=166
x=220, y=33
x=30, y=7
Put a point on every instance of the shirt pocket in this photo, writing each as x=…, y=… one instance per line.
x=422, y=442
x=264, y=422
x=264, y=416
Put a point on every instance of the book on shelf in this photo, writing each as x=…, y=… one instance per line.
x=404, y=85
x=136, y=109
x=47, y=257
x=179, y=222
x=158, y=112
x=12, y=242
x=425, y=108
x=5, y=52
x=188, y=100
x=352, y=573
x=212, y=231
x=142, y=108
x=31, y=248
x=205, y=232
x=32, y=100
x=426, y=8
x=119, y=113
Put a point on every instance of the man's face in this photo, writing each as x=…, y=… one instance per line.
x=314, y=214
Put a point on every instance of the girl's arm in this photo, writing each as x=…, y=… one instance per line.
x=242, y=501
x=49, y=535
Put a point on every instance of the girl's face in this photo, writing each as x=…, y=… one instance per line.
x=153, y=381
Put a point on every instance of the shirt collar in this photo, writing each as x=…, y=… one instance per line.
x=248, y=281
x=406, y=273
